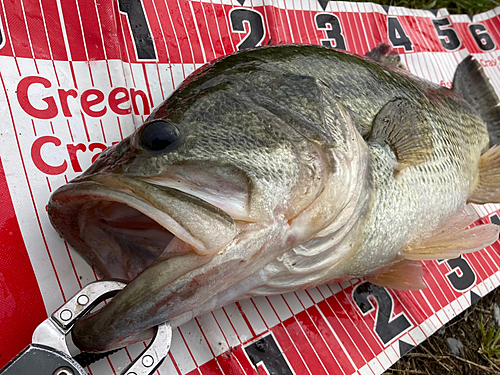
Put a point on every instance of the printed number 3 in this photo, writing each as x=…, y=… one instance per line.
x=386, y=327
x=463, y=280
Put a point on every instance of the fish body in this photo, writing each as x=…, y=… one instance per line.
x=268, y=171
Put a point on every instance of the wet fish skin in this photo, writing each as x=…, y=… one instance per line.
x=297, y=134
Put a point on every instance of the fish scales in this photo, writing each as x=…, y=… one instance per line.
x=285, y=167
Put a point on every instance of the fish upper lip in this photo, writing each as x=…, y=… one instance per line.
x=146, y=198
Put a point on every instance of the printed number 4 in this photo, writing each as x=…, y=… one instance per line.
x=386, y=327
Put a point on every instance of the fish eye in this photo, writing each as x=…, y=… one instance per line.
x=158, y=135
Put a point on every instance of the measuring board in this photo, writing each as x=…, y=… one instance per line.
x=77, y=76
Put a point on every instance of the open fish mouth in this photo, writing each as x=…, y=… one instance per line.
x=121, y=225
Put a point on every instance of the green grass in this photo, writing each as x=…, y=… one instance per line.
x=490, y=345
x=454, y=7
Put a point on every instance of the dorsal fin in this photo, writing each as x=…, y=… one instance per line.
x=471, y=83
x=402, y=275
x=403, y=126
x=385, y=54
x=488, y=186
x=453, y=238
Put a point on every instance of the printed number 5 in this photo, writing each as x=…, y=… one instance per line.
x=386, y=327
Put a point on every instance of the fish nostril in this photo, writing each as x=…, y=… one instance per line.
x=159, y=135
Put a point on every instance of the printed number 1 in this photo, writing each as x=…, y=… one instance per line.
x=266, y=352
x=143, y=40
x=386, y=327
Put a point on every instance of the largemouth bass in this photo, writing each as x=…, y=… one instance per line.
x=278, y=169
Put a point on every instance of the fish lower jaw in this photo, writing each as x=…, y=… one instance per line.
x=121, y=234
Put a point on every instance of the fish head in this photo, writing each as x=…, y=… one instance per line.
x=195, y=200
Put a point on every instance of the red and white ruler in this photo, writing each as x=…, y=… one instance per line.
x=79, y=75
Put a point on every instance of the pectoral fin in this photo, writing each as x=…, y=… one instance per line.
x=453, y=238
x=403, y=126
x=401, y=275
x=488, y=186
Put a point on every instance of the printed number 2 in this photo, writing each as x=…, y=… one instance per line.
x=386, y=328
x=331, y=25
x=397, y=35
x=266, y=352
x=461, y=276
x=139, y=27
x=255, y=22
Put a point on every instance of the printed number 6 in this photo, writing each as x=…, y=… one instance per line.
x=386, y=327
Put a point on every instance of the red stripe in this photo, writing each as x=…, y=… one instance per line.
x=429, y=292
x=283, y=24
x=290, y=350
x=30, y=190
x=22, y=307
x=91, y=29
x=36, y=27
x=242, y=312
x=54, y=30
x=342, y=325
x=325, y=343
x=298, y=36
x=297, y=335
x=409, y=25
x=336, y=318
x=73, y=30
x=190, y=30
x=363, y=44
x=172, y=45
x=6, y=50
x=202, y=28
x=180, y=31
x=156, y=31
x=146, y=80
x=433, y=283
x=244, y=362
x=427, y=28
x=109, y=26
x=415, y=298
x=16, y=28
x=270, y=24
x=303, y=30
x=230, y=364
x=222, y=34
x=444, y=283
x=213, y=30
x=85, y=126
x=349, y=38
x=210, y=368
